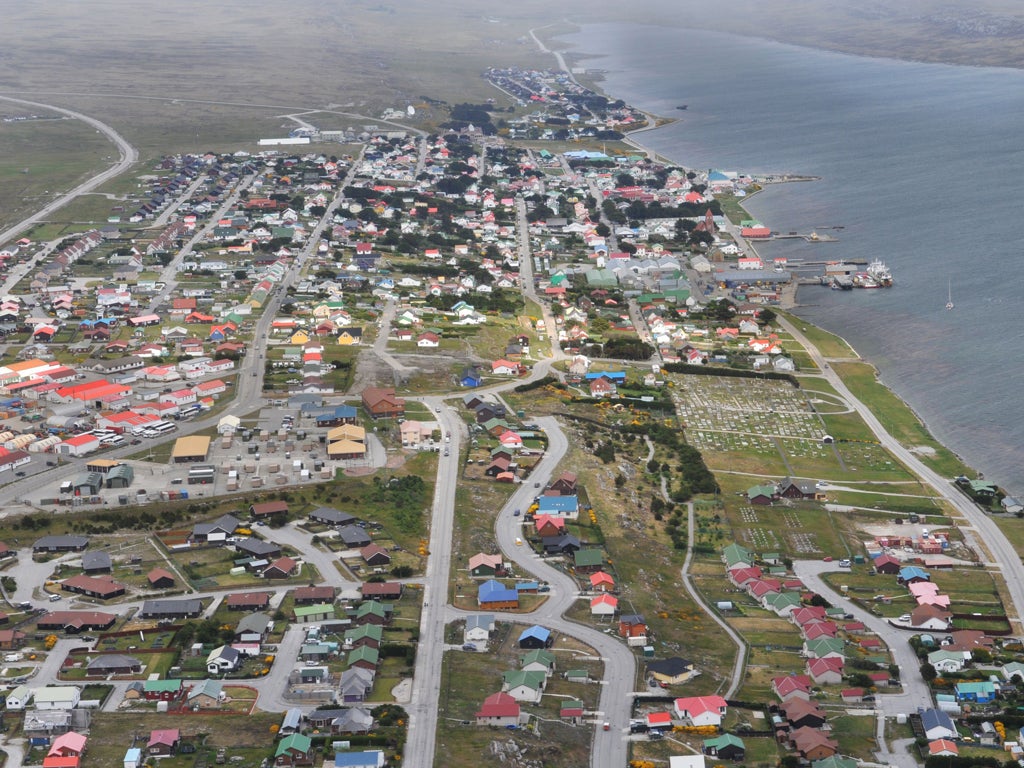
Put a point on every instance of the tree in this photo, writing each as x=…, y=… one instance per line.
x=928, y=672
x=766, y=316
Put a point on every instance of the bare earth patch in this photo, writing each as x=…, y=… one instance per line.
x=923, y=450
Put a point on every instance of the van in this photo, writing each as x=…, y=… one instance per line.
x=54, y=598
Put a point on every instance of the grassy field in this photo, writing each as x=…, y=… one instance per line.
x=248, y=738
x=39, y=158
x=897, y=418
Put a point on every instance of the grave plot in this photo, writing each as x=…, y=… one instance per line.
x=803, y=543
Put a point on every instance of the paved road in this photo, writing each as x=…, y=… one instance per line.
x=422, y=708
x=128, y=155
x=609, y=748
x=915, y=691
x=1002, y=551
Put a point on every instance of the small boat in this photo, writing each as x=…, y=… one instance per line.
x=681, y=106
x=949, y=302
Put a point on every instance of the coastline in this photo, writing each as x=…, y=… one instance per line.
x=789, y=307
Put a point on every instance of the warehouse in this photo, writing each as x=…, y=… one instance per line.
x=191, y=448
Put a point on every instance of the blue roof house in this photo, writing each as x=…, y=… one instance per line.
x=912, y=574
x=494, y=594
x=373, y=758
x=535, y=637
x=938, y=725
x=558, y=506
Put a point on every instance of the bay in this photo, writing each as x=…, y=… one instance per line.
x=921, y=165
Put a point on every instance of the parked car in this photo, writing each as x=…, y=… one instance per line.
x=469, y=647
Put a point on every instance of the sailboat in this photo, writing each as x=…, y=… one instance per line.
x=949, y=303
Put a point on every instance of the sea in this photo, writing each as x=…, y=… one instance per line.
x=921, y=165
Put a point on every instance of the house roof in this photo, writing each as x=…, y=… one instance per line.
x=670, y=667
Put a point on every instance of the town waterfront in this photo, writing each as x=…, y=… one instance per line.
x=920, y=165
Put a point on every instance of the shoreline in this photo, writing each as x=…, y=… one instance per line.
x=653, y=123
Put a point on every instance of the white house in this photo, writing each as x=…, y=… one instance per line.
x=222, y=659
x=701, y=710
x=478, y=628
x=19, y=698
x=948, y=661
x=57, y=697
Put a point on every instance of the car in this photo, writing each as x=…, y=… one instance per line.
x=536, y=485
x=905, y=618
x=54, y=598
x=844, y=563
x=87, y=639
x=468, y=647
x=51, y=463
x=136, y=441
x=827, y=559
x=516, y=513
x=437, y=410
x=20, y=473
x=447, y=452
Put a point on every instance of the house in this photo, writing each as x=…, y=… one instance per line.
x=535, y=637
x=938, y=725
x=887, y=564
x=945, y=661
x=498, y=709
x=355, y=684
x=384, y=590
x=60, y=544
x=482, y=564
x=701, y=710
x=602, y=582
x=659, y=720
x=215, y=531
x=373, y=758
x=800, y=713
x=253, y=628
x=222, y=660
x=761, y=494
x=604, y=605
x=368, y=634
x=943, y=748
x=354, y=536
x=375, y=555
x=538, y=660
x=206, y=694
x=930, y=617
x=828, y=671
x=493, y=595
x=588, y=560
x=281, y=568
x=725, y=747
x=133, y=758
x=633, y=627
x=792, y=687
x=68, y=744
x=162, y=690
x=268, y=509
x=171, y=609
x=100, y=588
x=96, y=562
x=911, y=574
x=160, y=578
x=163, y=742
x=112, y=664
x=981, y=692
x=478, y=628
x=812, y=744
x=381, y=402
x=248, y=600
x=524, y=686
x=671, y=671
x=11, y=639
x=571, y=710
x=18, y=698
x=294, y=749
x=331, y=516
x=313, y=595
x=57, y=697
